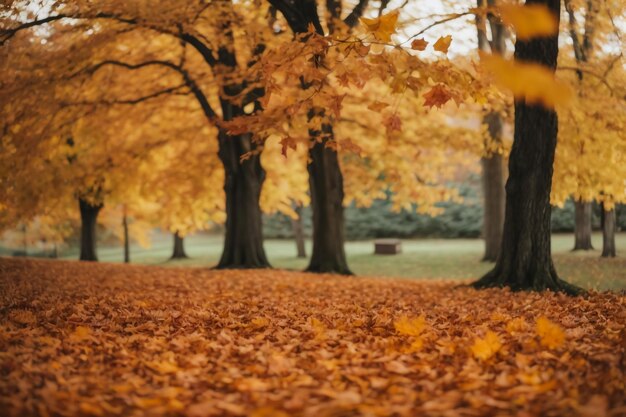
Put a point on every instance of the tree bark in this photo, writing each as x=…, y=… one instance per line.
x=243, y=242
x=298, y=233
x=609, y=224
x=179, y=247
x=525, y=261
x=493, y=192
x=326, y=185
x=582, y=225
x=88, y=219
x=126, y=239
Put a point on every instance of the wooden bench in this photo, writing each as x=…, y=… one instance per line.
x=387, y=246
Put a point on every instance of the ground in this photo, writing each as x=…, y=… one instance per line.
x=79, y=339
x=423, y=258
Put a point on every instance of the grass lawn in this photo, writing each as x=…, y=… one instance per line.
x=422, y=259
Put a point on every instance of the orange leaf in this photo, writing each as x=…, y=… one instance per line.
x=443, y=44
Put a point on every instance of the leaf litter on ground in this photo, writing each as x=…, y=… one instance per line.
x=110, y=340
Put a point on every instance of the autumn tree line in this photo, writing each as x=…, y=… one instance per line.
x=182, y=114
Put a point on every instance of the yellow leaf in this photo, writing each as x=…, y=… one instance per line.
x=551, y=334
x=163, y=367
x=487, y=347
x=419, y=44
x=377, y=106
x=410, y=327
x=81, y=333
x=529, y=20
x=533, y=83
x=90, y=409
x=382, y=27
x=260, y=321
x=443, y=44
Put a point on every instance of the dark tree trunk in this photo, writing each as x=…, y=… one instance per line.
x=525, y=261
x=582, y=225
x=493, y=193
x=243, y=242
x=126, y=239
x=326, y=185
x=179, y=247
x=609, y=224
x=88, y=218
x=298, y=233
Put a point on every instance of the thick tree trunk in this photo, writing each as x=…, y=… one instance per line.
x=126, y=239
x=525, y=261
x=88, y=218
x=582, y=225
x=243, y=242
x=298, y=233
x=179, y=247
x=609, y=224
x=493, y=193
x=326, y=185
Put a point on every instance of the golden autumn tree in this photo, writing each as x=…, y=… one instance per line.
x=590, y=155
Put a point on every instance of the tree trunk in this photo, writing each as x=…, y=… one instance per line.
x=298, y=233
x=493, y=192
x=88, y=218
x=582, y=225
x=243, y=242
x=179, y=247
x=326, y=184
x=609, y=224
x=126, y=239
x=525, y=261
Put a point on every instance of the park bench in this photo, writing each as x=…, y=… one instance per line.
x=387, y=246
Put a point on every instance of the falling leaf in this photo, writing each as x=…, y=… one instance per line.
x=419, y=44
x=443, y=44
x=551, y=334
x=529, y=20
x=531, y=82
x=486, y=347
x=382, y=27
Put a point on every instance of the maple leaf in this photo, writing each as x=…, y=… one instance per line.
x=437, y=96
x=377, y=106
x=485, y=348
x=286, y=143
x=443, y=44
x=382, y=27
x=551, y=334
x=419, y=44
x=410, y=327
x=392, y=123
x=529, y=20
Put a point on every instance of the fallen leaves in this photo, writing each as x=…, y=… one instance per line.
x=486, y=347
x=106, y=340
x=551, y=334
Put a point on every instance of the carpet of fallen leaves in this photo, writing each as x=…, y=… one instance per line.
x=109, y=340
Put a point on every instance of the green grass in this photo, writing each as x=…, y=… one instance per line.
x=421, y=259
